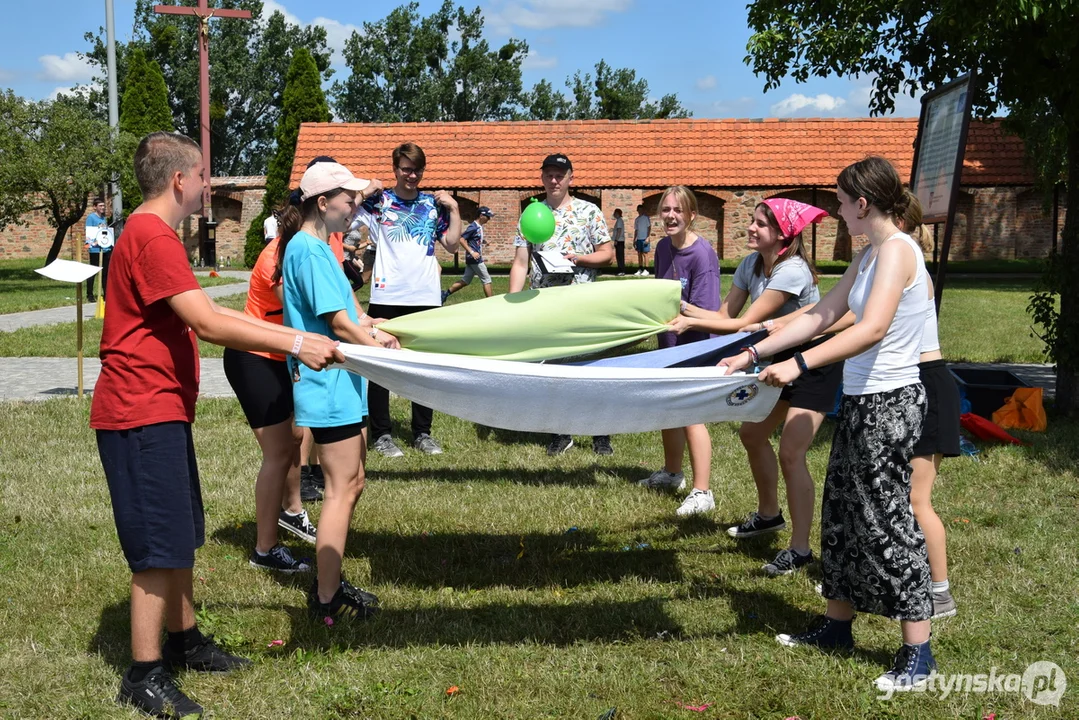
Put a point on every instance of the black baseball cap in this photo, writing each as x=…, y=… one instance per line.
x=557, y=160
x=486, y=212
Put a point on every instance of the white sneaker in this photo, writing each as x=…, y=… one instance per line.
x=663, y=480
x=645, y=273
x=698, y=501
x=638, y=273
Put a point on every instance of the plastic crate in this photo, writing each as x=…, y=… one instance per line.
x=986, y=389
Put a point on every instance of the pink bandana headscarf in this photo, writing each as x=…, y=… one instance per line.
x=793, y=216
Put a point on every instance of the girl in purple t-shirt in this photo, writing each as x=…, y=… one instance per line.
x=778, y=278
x=685, y=256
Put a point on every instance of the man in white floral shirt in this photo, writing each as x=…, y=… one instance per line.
x=581, y=236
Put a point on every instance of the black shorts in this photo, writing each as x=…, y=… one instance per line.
x=940, y=433
x=327, y=435
x=156, y=499
x=262, y=386
x=817, y=389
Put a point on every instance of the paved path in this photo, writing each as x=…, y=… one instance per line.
x=44, y=378
x=53, y=316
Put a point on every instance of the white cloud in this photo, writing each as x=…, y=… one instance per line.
x=537, y=61
x=337, y=33
x=546, y=14
x=799, y=105
x=708, y=82
x=72, y=67
x=269, y=7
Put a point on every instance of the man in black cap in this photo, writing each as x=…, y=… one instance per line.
x=474, y=265
x=582, y=237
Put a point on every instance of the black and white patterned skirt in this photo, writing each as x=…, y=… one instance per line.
x=872, y=550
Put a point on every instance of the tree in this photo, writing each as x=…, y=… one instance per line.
x=614, y=94
x=144, y=109
x=53, y=156
x=303, y=102
x=544, y=103
x=1027, y=54
x=404, y=68
x=249, y=60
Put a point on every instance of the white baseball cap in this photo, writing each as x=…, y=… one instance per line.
x=325, y=176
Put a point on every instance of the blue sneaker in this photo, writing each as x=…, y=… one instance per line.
x=910, y=670
x=445, y=296
x=826, y=634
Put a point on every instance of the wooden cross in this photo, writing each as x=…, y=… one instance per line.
x=203, y=12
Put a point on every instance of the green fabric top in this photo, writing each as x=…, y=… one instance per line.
x=544, y=324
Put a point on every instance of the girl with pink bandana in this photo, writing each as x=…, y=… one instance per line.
x=779, y=279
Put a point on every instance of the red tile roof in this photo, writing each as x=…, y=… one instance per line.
x=632, y=154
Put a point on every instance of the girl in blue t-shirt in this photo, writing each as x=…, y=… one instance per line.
x=316, y=294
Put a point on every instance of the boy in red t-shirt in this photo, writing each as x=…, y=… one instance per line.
x=142, y=410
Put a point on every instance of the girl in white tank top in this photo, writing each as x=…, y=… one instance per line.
x=873, y=553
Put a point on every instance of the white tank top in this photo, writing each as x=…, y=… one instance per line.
x=893, y=362
x=930, y=336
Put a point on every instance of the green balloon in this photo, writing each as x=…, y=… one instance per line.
x=537, y=223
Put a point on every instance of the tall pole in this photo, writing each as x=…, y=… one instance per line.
x=204, y=107
x=114, y=106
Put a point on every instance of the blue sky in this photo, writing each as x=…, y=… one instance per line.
x=694, y=48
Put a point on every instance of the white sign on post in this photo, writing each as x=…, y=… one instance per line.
x=938, y=150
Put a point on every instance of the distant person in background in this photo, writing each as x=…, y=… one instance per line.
x=618, y=237
x=269, y=227
x=474, y=265
x=96, y=222
x=642, y=228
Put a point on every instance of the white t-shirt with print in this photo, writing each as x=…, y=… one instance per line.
x=578, y=229
x=406, y=271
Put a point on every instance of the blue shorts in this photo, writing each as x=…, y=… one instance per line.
x=156, y=498
x=642, y=246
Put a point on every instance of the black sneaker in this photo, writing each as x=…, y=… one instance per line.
x=601, y=445
x=755, y=525
x=786, y=562
x=348, y=602
x=318, y=477
x=559, y=444
x=278, y=559
x=204, y=657
x=299, y=525
x=309, y=487
x=826, y=633
x=157, y=695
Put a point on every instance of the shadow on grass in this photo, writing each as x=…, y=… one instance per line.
x=1055, y=449
x=112, y=640
x=478, y=560
x=494, y=624
x=516, y=475
x=770, y=613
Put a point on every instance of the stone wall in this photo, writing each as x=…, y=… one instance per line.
x=991, y=223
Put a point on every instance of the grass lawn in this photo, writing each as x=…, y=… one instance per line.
x=22, y=289
x=485, y=587
x=982, y=320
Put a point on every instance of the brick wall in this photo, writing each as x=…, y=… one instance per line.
x=995, y=222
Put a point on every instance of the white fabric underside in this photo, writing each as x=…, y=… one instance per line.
x=564, y=399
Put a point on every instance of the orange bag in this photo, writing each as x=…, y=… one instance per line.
x=1022, y=410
